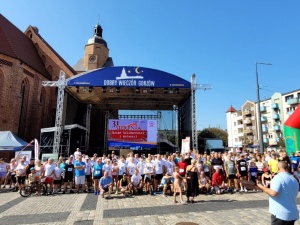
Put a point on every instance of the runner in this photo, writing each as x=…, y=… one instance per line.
x=69, y=175
x=80, y=174
x=97, y=174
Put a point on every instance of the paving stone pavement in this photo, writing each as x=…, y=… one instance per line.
x=88, y=209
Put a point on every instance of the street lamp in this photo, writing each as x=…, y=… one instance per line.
x=261, y=142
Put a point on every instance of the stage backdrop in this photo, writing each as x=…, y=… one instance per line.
x=132, y=134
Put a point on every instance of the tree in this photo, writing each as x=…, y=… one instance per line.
x=281, y=142
x=214, y=133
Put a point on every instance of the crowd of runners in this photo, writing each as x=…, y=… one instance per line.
x=170, y=174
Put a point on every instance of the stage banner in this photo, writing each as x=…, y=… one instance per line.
x=292, y=132
x=185, y=145
x=132, y=134
x=27, y=154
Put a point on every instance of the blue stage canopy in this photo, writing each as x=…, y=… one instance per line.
x=128, y=76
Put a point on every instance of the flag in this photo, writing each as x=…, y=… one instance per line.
x=36, y=149
x=29, y=144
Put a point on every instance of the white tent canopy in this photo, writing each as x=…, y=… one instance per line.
x=66, y=127
x=9, y=141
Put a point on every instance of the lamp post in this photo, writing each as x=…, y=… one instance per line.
x=261, y=141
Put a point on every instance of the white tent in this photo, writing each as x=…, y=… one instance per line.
x=9, y=141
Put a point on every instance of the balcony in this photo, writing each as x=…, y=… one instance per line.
x=276, y=116
x=265, y=129
x=239, y=126
x=239, y=118
x=240, y=135
x=247, y=121
x=266, y=140
x=293, y=101
x=263, y=119
x=276, y=128
x=274, y=106
x=248, y=131
x=247, y=112
x=263, y=108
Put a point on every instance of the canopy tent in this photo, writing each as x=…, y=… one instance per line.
x=73, y=136
x=9, y=141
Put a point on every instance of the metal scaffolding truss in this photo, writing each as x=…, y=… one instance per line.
x=194, y=87
x=61, y=84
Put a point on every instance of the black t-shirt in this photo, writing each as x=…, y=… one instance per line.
x=28, y=168
x=242, y=166
x=69, y=169
x=124, y=183
x=217, y=162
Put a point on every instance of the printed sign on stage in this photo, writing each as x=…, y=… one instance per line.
x=132, y=134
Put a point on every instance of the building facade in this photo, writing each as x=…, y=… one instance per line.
x=242, y=125
x=26, y=60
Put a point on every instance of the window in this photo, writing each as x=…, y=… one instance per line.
x=288, y=97
x=42, y=96
x=1, y=84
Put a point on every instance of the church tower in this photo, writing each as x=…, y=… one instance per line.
x=95, y=51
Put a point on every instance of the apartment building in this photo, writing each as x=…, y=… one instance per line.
x=242, y=125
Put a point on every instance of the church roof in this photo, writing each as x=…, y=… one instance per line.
x=231, y=109
x=16, y=44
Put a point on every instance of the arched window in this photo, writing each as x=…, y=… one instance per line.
x=42, y=96
x=29, y=34
x=24, y=93
x=1, y=84
x=42, y=100
x=43, y=59
x=50, y=69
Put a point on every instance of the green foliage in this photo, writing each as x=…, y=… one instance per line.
x=213, y=132
x=281, y=142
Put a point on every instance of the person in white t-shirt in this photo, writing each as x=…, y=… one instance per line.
x=77, y=153
x=136, y=182
x=88, y=170
x=148, y=171
x=57, y=178
x=21, y=173
x=107, y=167
x=169, y=164
x=49, y=173
x=122, y=169
x=131, y=167
x=159, y=169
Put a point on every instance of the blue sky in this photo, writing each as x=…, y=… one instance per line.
x=219, y=41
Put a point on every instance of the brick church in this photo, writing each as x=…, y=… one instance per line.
x=26, y=60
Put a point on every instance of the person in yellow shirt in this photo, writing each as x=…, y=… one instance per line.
x=273, y=164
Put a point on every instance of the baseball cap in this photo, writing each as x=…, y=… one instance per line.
x=86, y=157
x=32, y=168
